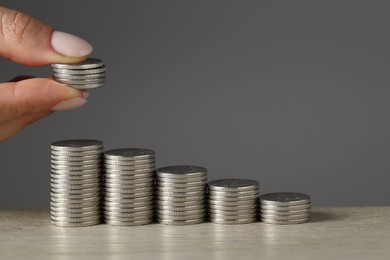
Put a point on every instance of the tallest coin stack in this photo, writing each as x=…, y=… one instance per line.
x=75, y=183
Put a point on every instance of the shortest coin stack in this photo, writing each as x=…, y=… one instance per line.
x=75, y=183
x=128, y=186
x=181, y=195
x=233, y=201
x=86, y=75
x=285, y=208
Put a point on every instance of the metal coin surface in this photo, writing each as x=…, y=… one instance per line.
x=73, y=224
x=285, y=208
x=285, y=213
x=89, y=63
x=285, y=199
x=128, y=223
x=80, y=81
x=285, y=222
x=232, y=222
x=180, y=222
x=80, y=72
x=181, y=171
x=86, y=86
x=78, y=77
x=77, y=145
x=129, y=154
x=233, y=185
x=284, y=217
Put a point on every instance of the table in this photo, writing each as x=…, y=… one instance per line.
x=333, y=233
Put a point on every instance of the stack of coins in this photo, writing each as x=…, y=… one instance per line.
x=76, y=183
x=128, y=186
x=86, y=75
x=233, y=201
x=181, y=195
x=285, y=208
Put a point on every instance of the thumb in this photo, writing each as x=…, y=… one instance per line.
x=26, y=40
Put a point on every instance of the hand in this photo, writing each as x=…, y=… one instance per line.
x=25, y=40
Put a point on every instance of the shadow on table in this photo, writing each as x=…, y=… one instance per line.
x=323, y=217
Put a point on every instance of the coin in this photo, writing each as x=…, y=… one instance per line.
x=128, y=223
x=73, y=224
x=284, y=199
x=78, y=145
x=180, y=222
x=285, y=222
x=80, y=72
x=181, y=171
x=233, y=222
x=89, y=63
x=285, y=213
x=129, y=154
x=78, y=77
x=233, y=185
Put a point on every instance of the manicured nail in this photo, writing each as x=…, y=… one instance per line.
x=69, y=104
x=85, y=94
x=70, y=45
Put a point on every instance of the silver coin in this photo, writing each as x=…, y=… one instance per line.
x=233, y=199
x=71, y=186
x=75, y=182
x=72, y=224
x=70, y=158
x=233, y=185
x=285, y=208
x=183, y=199
x=178, y=204
x=284, y=217
x=126, y=200
x=133, y=218
x=180, y=222
x=285, y=222
x=75, y=191
x=80, y=81
x=129, y=154
x=145, y=213
x=78, y=77
x=131, y=223
x=180, y=209
x=181, y=185
x=149, y=167
x=285, y=213
x=85, y=86
x=128, y=186
x=180, y=194
x=74, y=168
x=284, y=199
x=135, y=204
x=164, y=179
x=232, y=217
x=181, y=171
x=72, y=201
x=232, y=212
x=125, y=209
x=74, y=205
x=76, y=196
x=233, y=208
x=77, y=145
x=159, y=215
x=101, y=69
x=232, y=222
x=129, y=162
x=74, y=215
x=232, y=203
x=68, y=173
x=62, y=177
x=77, y=210
x=130, y=195
x=127, y=172
x=129, y=182
x=75, y=163
x=129, y=176
x=181, y=213
x=234, y=194
x=89, y=63
x=180, y=190
x=76, y=155
x=127, y=191
x=77, y=220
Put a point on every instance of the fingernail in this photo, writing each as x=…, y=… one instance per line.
x=69, y=104
x=85, y=94
x=70, y=45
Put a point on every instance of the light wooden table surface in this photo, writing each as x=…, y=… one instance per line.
x=333, y=233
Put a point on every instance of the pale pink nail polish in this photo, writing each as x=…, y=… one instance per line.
x=70, y=45
x=69, y=104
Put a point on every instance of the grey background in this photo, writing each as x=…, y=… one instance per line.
x=294, y=94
